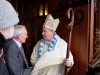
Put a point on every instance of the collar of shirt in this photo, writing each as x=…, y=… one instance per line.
x=19, y=45
x=47, y=42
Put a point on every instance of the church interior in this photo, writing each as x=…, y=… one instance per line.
x=85, y=39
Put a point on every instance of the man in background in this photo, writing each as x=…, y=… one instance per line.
x=8, y=18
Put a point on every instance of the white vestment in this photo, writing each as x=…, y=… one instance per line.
x=50, y=63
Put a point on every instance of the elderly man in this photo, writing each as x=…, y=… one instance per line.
x=48, y=57
x=15, y=57
x=8, y=18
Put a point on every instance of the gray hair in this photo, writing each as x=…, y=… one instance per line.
x=7, y=32
x=18, y=29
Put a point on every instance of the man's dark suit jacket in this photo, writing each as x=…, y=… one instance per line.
x=15, y=61
x=3, y=68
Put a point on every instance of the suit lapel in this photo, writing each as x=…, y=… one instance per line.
x=22, y=53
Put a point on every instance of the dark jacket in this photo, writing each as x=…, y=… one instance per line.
x=16, y=62
x=93, y=71
x=3, y=68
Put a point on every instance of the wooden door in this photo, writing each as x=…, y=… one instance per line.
x=80, y=45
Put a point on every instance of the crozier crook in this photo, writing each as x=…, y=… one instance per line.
x=70, y=15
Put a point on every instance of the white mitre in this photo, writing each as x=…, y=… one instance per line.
x=51, y=23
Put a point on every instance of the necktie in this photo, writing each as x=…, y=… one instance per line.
x=22, y=50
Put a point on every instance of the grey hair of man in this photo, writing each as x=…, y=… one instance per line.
x=18, y=29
